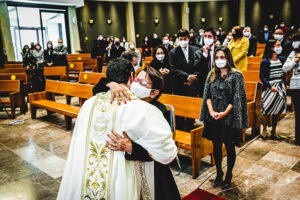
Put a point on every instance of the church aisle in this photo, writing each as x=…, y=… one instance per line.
x=33, y=154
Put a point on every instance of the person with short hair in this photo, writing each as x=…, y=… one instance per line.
x=60, y=54
x=285, y=42
x=92, y=155
x=239, y=46
x=116, y=49
x=265, y=34
x=252, y=42
x=166, y=43
x=132, y=47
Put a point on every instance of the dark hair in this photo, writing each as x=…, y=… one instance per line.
x=119, y=70
x=156, y=78
x=183, y=33
x=212, y=30
x=129, y=55
x=296, y=36
x=51, y=49
x=297, y=50
x=23, y=50
x=280, y=28
x=37, y=44
x=164, y=50
x=238, y=32
x=268, y=49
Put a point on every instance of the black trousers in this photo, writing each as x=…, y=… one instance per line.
x=231, y=156
x=296, y=99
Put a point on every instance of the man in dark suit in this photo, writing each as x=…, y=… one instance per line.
x=252, y=42
x=204, y=58
x=166, y=43
x=200, y=38
x=265, y=35
x=116, y=49
x=286, y=44
x=182, y=65
x=155, y=41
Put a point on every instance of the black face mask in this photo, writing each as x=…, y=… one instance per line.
x=117, y=43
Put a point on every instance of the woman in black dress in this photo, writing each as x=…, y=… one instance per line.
x=26, y=56
x=224, y=111
x=48, y=55
x=160, y=62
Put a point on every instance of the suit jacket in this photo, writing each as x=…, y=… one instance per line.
x=116, y=52
x=239, y=49
x=287, y=48
x=181, y=68
x=169, y=47
x=201, y=63
x=261, y=37
x=252, y=46
x=200, y=40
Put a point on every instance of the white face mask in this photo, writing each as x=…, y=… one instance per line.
x=160, y=57
x=246, y=34
x=131, y=46
x=60, y=44
x=146, y=39
x=278, y=37
x=166, y=41
x=217, y=33
x=140, y=91
x=230, y=37
x=124, y=40
x=208, y=41
x=282, y=25
x=155, y=36
x=296, y=44
x=221, y=63
x=183, y=44
x=100, y=38
x=278, y=50
x=49, y=46
x=265, y=29
x=201, y=33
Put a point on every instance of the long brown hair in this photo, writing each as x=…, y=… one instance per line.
x=215, y=72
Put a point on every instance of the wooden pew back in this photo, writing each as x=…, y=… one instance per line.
x=253, y=66
x=75, y=66
x=10, y=85
x=70, y=89
x=252, y=76
x=12, y=70
x=90, y=77
x=81, y=56
x=55, y=71
x=6, y=66
x=14, y=76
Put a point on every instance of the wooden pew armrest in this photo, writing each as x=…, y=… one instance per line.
x=37, y=96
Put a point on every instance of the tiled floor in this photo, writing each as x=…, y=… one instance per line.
x=33, y=154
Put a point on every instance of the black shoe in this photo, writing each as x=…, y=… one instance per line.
x=218, y=181
x=227, y=182
x=263, y=137
x=275, y=137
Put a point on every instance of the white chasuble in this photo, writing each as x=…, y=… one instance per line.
x=94, y=172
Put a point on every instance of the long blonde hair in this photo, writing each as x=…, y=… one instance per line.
x=213, y=74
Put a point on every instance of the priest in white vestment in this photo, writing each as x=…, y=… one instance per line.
x=95, y=172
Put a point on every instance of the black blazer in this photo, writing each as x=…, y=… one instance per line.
x=48, y=58
x=287, y=48
x=181, y=68
x=261, y=37
x=201, y=64
x=252, y=46
x=116, y=52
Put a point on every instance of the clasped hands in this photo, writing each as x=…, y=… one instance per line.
x=217, y=115
x=164, y=71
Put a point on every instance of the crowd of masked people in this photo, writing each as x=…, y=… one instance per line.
x=35, y=59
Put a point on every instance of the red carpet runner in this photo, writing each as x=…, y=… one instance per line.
x=203, y=195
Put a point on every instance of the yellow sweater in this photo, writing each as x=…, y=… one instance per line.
x=239, y=49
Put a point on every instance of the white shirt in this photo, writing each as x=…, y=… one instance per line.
x=186, y=53
x=212, y=49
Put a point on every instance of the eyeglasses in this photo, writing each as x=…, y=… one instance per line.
x=142, y=82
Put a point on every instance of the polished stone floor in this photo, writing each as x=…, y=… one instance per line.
x=33, y=155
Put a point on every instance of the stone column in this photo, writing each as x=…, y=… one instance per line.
x=242, y=13
x=5, y=32
x=185, y=15
x=130, y=28
x=73, y=29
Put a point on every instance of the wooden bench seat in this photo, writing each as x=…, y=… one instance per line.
x=13, y=89
x=7, y=66
x=46, y=99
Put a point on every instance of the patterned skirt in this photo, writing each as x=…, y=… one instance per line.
x=274, y=103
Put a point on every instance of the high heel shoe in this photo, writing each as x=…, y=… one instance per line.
x=227, y=182
x=219, y=180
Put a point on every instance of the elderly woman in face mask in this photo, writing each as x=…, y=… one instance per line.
x=148, y=85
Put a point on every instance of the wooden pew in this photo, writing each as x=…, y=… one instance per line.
x=79, y=57
x=90, y=77
x=256, y=59
x=74, y=68
x=14, y=90
x=104, y=69
x=253, y=66
x=91, y=64
x=60, y=71
x=149, y=58
x=6, y=66
x=252, y=76
x=46, y=99
x=14, y=76
x=192, y=141
x=12, y=70
x=13, y=62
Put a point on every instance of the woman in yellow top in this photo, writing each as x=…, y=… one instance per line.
x=239, y=48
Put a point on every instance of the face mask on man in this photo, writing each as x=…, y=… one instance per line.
x=201, y=33
x=140, y=91
x=230, y=37
x=217, y=33
x=278, y=37
x=265, y=29
x=100, y=38
x=282, y=25
x=296, y=44
x=166, y=41
x=220, y=63
x=60, y=44
x=160, y=57
x=155, y=36
x=208, y=41
x=183, y=44
x=124, y=40
x=278, y=50
x=131, y=46
x=246, y=34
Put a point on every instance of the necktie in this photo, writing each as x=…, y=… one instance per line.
x=209, y=61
